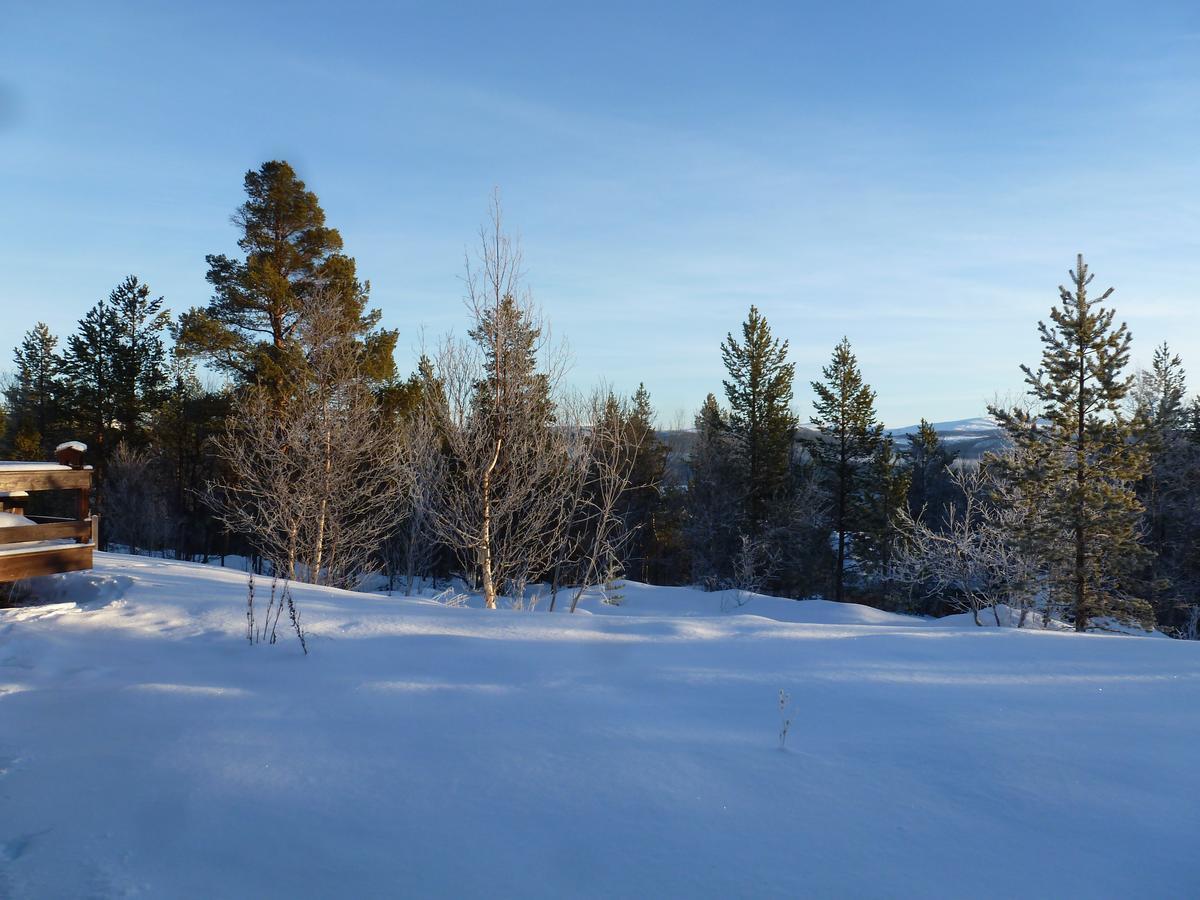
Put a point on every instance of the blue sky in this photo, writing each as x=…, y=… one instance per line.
x=917, y=176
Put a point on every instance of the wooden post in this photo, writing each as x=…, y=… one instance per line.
x=70, y=454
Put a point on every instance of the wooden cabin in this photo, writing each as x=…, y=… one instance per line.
x=44, y=545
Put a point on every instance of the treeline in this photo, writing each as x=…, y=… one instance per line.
x=306, y=450
x=1089, y=515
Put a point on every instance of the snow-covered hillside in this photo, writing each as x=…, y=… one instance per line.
x=968, y=438
x=147, y=750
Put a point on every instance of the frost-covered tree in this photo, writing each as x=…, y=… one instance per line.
x=311, y=484
x=1085, y=441
x=973, y=559
x=1170, y=489
x=508, y=468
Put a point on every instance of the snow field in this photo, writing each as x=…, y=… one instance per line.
x=147, y=750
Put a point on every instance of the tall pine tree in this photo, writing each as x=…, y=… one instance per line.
x=292, y=258
x=759, y=391
x=1089, y=496
x=850, y=438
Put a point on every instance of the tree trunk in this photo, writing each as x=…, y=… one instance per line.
x=485, y=556
x=323, y=511
x=843, y=490
x=1081, y=612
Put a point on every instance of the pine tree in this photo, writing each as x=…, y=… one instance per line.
x=850, y=438
x=759, y=391
x=715, y=497
x=292, y=258
x=509, y=338
x=931, y=490
x=34, y=397
x=643, y=506
x=1092, y=461
x=886, y=487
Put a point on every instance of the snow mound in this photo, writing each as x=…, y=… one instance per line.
x=85, y=590
x=636, y=599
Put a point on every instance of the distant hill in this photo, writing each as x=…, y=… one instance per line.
x=970, y=437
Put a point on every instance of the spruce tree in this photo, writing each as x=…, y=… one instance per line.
x=759, y=391
x=1159, y=394
x=886, y=488
x=643, y=504
x=1093, y=463
x=116, y=367
x=138, y=356
x=34, y=396
x=1170, y=489
x=849, y=439
x=249, y=328
x=89, y=367
x=509, y=337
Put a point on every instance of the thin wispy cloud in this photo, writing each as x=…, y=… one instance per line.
x=912, y=186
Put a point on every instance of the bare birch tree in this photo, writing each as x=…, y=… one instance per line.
x=505, y=466
x=312, y=481
x=607, y=454
x=413, y=546
x=135, y=511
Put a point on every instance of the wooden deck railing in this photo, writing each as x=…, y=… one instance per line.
x=33, y=554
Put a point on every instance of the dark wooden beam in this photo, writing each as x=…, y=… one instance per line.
x=78, y=531
x=69, y=558
x=51, y=480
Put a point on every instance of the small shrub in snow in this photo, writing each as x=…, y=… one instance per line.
x=267, y=631
x=294, y=615
x=611, y=593
x=785, y=717
x=451, y=597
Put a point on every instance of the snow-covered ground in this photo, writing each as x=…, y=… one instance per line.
x=147, y=750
